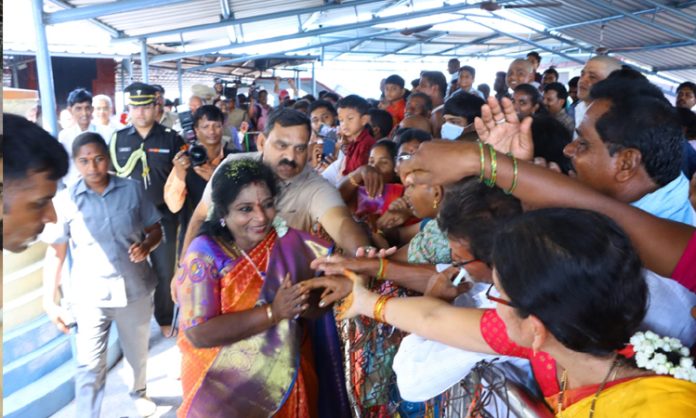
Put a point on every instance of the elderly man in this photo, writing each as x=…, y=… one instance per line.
x=102, y=116
x=306, y=201
x=35, y=163
x=595, y=70
x=144, y=151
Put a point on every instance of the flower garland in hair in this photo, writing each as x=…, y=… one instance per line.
x=280, y=226
x=660, y=354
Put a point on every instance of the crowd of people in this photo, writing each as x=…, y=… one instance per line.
x=331, y=256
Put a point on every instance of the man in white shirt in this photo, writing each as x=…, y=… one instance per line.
x=103, y=117
x=80, y=108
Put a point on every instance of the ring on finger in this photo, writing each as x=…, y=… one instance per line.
x=500, y=122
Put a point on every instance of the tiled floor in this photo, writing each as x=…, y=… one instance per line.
x=163, y=384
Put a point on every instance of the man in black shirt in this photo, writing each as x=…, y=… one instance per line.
x=143, y=151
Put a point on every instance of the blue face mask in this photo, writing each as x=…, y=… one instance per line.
x=451, y=131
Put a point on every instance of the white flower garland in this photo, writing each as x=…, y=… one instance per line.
x=280, y=226
x=651, y=351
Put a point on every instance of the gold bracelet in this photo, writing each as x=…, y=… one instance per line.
x=383, y=262
x=379, y=308
x=514, y=175
x=269, y=314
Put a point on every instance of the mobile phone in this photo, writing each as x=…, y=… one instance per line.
x=328, y=147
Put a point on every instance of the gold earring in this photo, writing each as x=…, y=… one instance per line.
x=434, y=204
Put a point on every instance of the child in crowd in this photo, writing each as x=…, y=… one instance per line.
x=380, y=122
x=394, y=98
x=355, y=137
x=467, y=75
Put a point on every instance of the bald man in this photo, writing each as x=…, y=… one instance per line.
x=519, y=72
x=595, y=70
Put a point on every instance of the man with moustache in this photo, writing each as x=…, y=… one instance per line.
x=35, y=163
x=306, y=201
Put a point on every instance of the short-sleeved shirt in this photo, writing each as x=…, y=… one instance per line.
x=99, y=229
x=302, y=200
x=161, y=144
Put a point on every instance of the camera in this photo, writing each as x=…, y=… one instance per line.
x=197, y=154
x=186, y=121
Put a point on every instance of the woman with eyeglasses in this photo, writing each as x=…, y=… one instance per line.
x=570, y=298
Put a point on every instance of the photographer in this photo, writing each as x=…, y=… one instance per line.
x=194, y=166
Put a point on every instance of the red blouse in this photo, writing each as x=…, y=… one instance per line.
x=543, y=365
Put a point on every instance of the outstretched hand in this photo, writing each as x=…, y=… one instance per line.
x=290, y=300
x=349, y=288
x=440, y=285
x=500, y=127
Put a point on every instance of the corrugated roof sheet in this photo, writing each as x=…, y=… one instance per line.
x=594, y=22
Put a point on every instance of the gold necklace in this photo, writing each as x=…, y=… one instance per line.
x=611, y=376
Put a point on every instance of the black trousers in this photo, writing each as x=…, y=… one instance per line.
x=164, y=262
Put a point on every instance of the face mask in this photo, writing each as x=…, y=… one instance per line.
x=451, y=131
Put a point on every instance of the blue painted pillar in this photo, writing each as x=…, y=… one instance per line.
x=44, y=70
x=179, y=74
x=143, y=61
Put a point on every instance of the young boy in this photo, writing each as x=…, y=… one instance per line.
x=394, y=101
x=355, y=137
x=467, y=75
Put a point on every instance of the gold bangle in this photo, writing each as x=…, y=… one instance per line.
x=379, y=308
x=483, y=162
x=269, y=314
x=353, y=182
x=514, y=175
x=383, y=262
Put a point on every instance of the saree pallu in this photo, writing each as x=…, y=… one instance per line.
x=271, y=373
x=650, y=396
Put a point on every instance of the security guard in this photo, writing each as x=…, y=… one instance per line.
x=144, y=151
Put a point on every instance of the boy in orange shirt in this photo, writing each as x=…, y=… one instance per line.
x=394, y=100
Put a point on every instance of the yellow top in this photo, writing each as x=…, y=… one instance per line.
x=651, y=396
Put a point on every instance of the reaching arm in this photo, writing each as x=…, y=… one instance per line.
x=341, y=227
x=52, y=268
x=659, y=242
x=412, y=276
x=427, y=317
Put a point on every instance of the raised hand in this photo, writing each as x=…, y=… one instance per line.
x=500, y=127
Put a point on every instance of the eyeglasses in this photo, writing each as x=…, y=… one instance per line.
x=497, y=299
x=404, y=157
x=463, y=263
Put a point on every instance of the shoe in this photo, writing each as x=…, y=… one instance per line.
x=144, y=405
x=167, y=331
